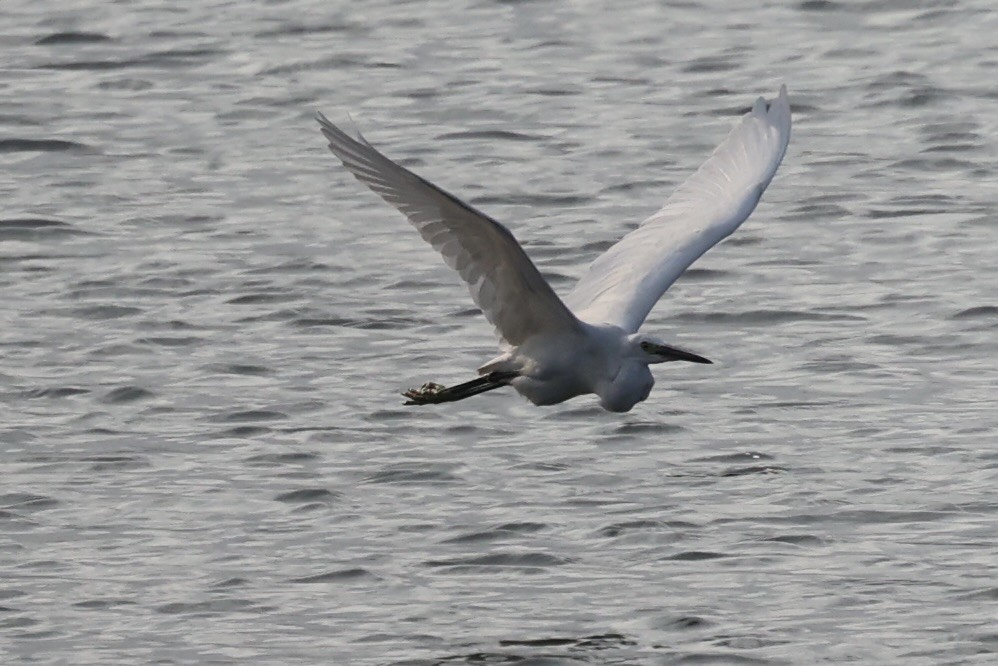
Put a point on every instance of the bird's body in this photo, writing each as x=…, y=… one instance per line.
x=595, y=359
x=555, y=350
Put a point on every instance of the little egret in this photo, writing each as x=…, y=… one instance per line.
x=554, y=350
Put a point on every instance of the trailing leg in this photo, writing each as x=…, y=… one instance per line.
x=431, y=393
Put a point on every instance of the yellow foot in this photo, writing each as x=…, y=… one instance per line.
x=426, y=394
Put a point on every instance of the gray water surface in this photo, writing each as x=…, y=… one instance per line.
x=206, y=323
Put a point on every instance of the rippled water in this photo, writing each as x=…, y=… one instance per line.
x=206, y=324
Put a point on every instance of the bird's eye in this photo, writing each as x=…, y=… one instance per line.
x=645, y=346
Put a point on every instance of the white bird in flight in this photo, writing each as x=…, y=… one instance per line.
x=555, y=349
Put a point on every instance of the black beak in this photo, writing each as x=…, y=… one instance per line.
x=677, y=354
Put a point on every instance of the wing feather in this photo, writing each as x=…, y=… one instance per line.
x=503, y=282
x=624, y=283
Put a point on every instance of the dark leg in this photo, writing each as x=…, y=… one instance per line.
x=431, y=393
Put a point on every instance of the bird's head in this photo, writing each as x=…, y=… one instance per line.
x=651, y=350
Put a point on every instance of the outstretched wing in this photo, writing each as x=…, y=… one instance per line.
x=624, y=283
x=503, y=281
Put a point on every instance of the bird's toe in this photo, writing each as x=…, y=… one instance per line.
x=424, y=395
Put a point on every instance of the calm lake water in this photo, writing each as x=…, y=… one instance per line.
x=206, y=323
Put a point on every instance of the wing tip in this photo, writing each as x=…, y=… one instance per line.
x=782, y=100
x=336, y=134
x=779, y=110
x=764, y=107
x=328, y=129
x=774, y=112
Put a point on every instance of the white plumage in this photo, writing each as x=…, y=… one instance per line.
x=554, y=349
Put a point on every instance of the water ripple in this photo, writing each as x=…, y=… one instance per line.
x=338, y=576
